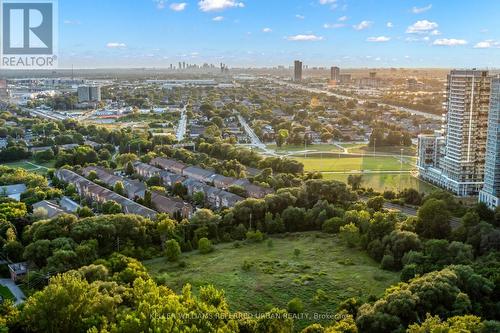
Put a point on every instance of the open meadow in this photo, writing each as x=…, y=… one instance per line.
x=315, y=267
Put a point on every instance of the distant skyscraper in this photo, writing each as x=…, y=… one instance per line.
x=462, y=151
x=335, y=74
x=89, y=94
x=297, y=70
x=490, y=193
x=95, y=93
x=83, y=94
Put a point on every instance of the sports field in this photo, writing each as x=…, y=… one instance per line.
x=346, y=163
x=386, y=181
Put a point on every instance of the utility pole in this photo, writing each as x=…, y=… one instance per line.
x=401, y=169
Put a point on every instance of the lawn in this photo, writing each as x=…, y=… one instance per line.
x=396, y=150
x=293, y=148
x=20, y=165
x=42, y=169
x=6, y=294
x=346, y=163
x=277, y=275
x=383, y=181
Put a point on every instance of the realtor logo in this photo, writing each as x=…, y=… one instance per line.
x=28, y=34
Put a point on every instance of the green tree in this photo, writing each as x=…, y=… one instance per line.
x=434, y=219
x=172, y=250
x=119, y=188
x=68, y=304
x=129, y=169
x=355, y=181
x=349, y=233
x=111, y=207
x=205, y=246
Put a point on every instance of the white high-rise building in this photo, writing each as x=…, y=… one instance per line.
x=490, y=193
x=461, y=153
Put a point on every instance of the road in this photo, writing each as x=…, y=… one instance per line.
x=45, y=114
x=14, y=289
x=410, y=211
x=254, y=139
x=361, y=101
x=181, y=129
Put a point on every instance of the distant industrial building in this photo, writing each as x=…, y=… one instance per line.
x=89, y=94
x=490, y=194
x=297, y=70
x=455, y=159
x=345, y=78
x=335, y=74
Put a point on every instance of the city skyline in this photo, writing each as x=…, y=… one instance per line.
x=157, y=33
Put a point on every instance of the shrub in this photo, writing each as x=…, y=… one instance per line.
x=388, y=262
x=205, y=245
x=247, y=265
x=296, y=252
x=332, y=226
x=254, y=236
x=319, y=297
x=295, y=306
x=172, y=250
x=350, y=234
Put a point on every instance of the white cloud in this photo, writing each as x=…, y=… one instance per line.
x=343, y=19
x=304, y=38
x=72, y=22
x=487, y=44
x=379, y=39
x=420, y=10
x=218, y=18
x=300, y=17
x=211, y=5
x=435, y=32
x=326, y=2
x=420, y=27
x=333, y=25
x=266, y=30
x=362, y=25
x=160, y=4
x=449, y=42
x=116, y=45
x=389, y=25
x=178, y=6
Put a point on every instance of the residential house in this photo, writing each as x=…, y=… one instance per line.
x=198, y=173
x=252, y=190
x=69, y=205
x=99, y=194
x=50, y=207
x=228, y=199
x=146, y=170
x=13, y=191
x=169, y=178
x=222, y=182
x=194, y=186
x=18, y=270
x=134, y=188
x=172, y=206
x=169, y=165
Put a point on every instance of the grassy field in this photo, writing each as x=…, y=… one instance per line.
x=348, y=163
x=277, y=275
x=289, y=148
x=364, y=149
x=6, y=294
x=37, y=167
x=384, y=181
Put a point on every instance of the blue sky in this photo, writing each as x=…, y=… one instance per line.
x=255, y=33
